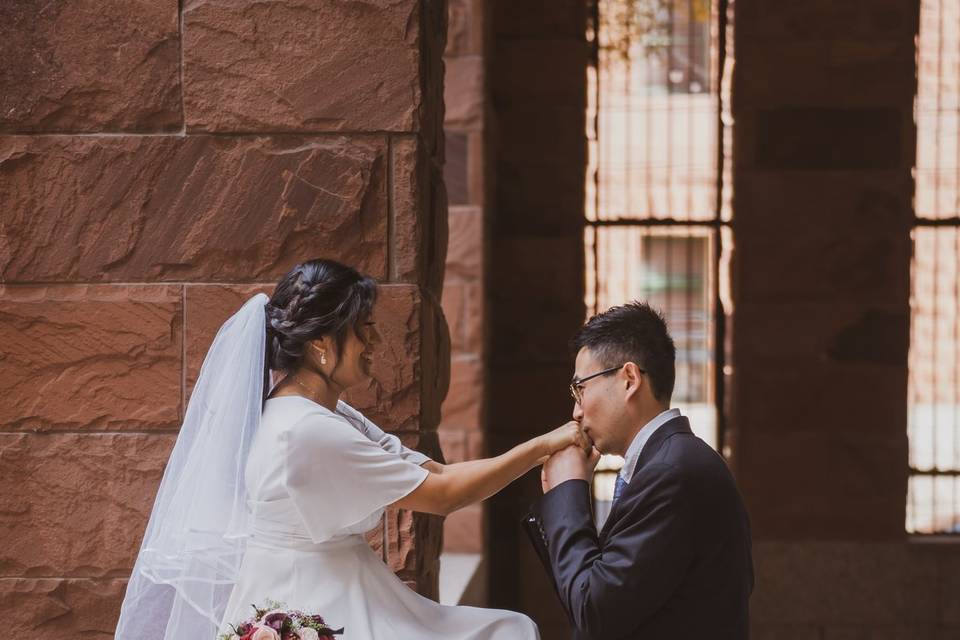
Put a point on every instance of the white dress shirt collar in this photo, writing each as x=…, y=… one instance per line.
x=636, y=447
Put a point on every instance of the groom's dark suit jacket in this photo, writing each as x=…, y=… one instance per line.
x=673, y=558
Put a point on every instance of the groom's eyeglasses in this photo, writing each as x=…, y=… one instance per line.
x=576, y=385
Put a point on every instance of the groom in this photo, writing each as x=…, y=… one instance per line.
x=673, y=559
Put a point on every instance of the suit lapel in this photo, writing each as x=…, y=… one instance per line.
x=677, y=425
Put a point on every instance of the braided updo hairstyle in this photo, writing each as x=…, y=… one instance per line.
x=317, y=298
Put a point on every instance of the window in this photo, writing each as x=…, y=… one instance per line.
x=657, y=213
x=933, y=498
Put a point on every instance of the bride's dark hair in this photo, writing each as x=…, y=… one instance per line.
x=317, y=298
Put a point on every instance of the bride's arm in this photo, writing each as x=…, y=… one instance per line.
x=455, y=486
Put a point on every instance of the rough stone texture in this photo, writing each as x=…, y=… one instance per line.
x=86, y=499
x=57, y=608
x=419, y=215
x=463, y=408
x=120, y=255
x=846, y=590
x=464, y=95
x=90, y=357
x=89, y=65
x=344, y=66
x=825, y=139
x=464, y=28
x=206, y=308
x=392, y=399
x=165, y=208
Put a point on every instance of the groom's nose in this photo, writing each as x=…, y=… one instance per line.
x=577, y=412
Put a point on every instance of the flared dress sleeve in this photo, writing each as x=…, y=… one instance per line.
x=337, y=477
x=386, y=440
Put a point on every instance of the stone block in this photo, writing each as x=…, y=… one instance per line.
x=830, y=139
x=818, y=264
x=195, y=208
x=826, y=20
x=456, y=167
x=320, y=66
x=463, y=308
x=802, y=485
x=454, y=309
x=111, y=65
x=435, y=366
x=532, y=72
x=947, y=558
x=453, y=441
x=465, y=248
x=781, y=398
x=476, y=443
x=76, y=505
x=476, y=168
x=804, y=203
x=464, y=27
x=527, y=208
x=762, y=631
x=59, y=608
x=464, y=93
x=534, y=135
x=543, y=310
x=463, y=530
x=562, y=19
x=392, y=397
x=419, y=215
x=207, y=307
x=836, y=332
x=463, y=407
x=885, y=588
x=90, y=357
x=845, y=73
x=526, y=401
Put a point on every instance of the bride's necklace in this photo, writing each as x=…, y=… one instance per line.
x=311, y=393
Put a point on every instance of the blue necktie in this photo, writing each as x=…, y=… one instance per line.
x=618, y=489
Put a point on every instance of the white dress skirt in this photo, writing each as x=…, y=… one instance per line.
x=317, y=481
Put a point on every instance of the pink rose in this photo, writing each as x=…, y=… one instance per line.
x=307, y=633
x=265, y=633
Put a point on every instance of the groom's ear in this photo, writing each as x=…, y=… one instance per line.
x=633, y=379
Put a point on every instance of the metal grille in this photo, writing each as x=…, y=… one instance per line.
x=657, y=214
x=933, y=499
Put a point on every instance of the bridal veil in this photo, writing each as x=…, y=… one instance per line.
x=197, y=532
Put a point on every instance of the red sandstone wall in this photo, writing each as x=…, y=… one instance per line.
x=463, y=413
x=159, y=162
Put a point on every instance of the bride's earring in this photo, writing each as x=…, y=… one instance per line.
x=323, y=357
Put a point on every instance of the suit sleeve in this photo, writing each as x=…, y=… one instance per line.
x=610, y=589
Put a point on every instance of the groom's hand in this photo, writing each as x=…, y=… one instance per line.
x=568, y=464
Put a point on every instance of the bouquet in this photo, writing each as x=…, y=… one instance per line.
x=274, y=622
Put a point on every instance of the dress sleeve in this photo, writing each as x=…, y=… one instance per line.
x=388, y=441
x=337, y=477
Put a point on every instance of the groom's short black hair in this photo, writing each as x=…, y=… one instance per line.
x=633, y=332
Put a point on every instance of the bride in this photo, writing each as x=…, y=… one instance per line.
x=268, y=491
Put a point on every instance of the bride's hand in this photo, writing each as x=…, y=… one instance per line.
x=568, y=435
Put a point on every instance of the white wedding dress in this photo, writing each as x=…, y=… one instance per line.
x=317, y=480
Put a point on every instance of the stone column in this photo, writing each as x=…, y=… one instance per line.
x=538, y=64
x=464, y=411
x=160, y=161
x=824, y=147
x=825, y=142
